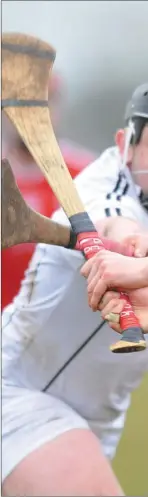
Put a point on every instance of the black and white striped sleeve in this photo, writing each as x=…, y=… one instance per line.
x=103, y=188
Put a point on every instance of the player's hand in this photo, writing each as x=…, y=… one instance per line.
x=139, y=241
x=111, y=303
x=110, y=270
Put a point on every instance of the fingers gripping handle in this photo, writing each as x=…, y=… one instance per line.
x=90, y=243
x=132, y=336
x=110, y=245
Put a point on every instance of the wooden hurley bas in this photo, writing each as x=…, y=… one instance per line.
x=21, y=224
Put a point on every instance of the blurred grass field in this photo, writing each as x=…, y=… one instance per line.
x=131, y=461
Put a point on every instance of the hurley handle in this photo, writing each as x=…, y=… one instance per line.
x=90, y=242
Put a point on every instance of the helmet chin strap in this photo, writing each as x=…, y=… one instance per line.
x=130, y=131
x=140, y=171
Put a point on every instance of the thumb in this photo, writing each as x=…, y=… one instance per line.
x=138, y=243
x=140, y=248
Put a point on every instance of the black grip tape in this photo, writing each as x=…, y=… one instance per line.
x=133, y=334
x=10, y=102
x=72, y=241
x=29, y=50
x=81, y=223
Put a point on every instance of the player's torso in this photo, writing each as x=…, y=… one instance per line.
x=52, y=328
x=35, y=347
x=109, y=190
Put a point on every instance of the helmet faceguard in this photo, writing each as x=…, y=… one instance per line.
x=136, y=117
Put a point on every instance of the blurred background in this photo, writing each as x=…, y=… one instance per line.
x=101, y=57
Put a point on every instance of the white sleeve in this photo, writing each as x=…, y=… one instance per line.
x=46, y=280
x=93, y=184
x=102, y=189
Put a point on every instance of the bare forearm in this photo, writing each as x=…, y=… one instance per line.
x=117, y=228
x=145, y=271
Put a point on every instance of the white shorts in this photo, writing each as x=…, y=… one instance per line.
x=30, y=419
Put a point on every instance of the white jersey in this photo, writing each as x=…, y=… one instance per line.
x=108, y=190
x=49, y=321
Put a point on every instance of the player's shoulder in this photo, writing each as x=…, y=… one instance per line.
x=110, y=155
x=107, y=164
x=110, y=160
